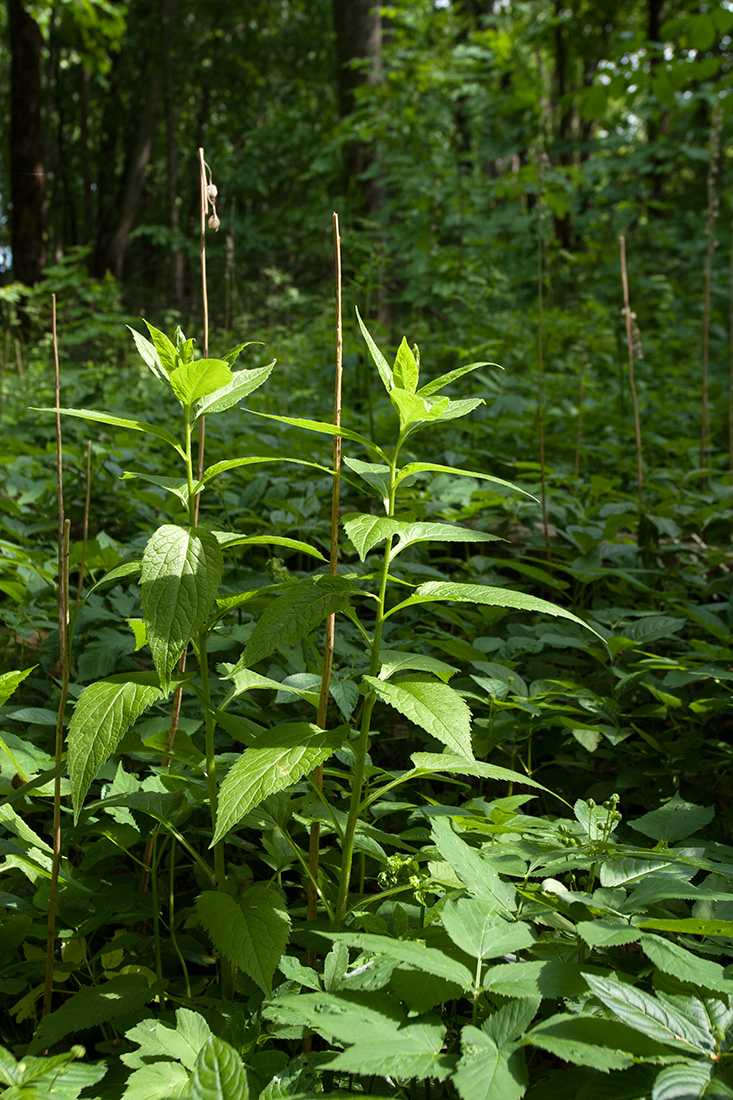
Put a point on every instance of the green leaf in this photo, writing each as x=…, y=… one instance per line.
x=168, y=357
x=693, y=926
x=511, y=1020
x=488, y=596
x=458, y=765
x=432, y=467
x=230, y=539
x=405, y=372
x=324, y=428
x=481, y=934
x=8, y=1067
x=159, y=1040
x=162, y=1080
x=445, y=379
x=273, y=762
x=411, y=533
x=240, y=384
x=10, y=681
x=375, y=474
x=89, y=1007
x=182, y=568
x=648, y=1014
x=127, y=569
x=218, y=1073
x=607, y=932
x=191, y=382
x=385, y=371
x=394, y=660
x=119, y=422
x=479, y=877
x=684, y=965
x=366, y=531
x=414, y=1050
x=434, y=706
x=176, y=485
x=583, y=1040
x=252, y=933
x=487, y=1071
x=292, y=616
x=411, y=952
x=682, y=1082
x=149, y=355
x=102, y=716
x=674, y=820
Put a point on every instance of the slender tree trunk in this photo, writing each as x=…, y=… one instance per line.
x=27, y=175
x=168, y=17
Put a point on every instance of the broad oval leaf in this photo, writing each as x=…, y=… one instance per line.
x=293, y=615
x=182, y=568
x=252, y=932
x=272, y=763
x=479, y=933
x=489, y=1072
x=431, y=704
x=103, y=714
x=684, y=965
x=240, y=384
x=218, y=1073
x=192, y=381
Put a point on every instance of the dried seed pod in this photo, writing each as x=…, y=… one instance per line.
x=214, y=222
x=211, y=192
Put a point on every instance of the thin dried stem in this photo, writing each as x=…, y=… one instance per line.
x=540, y=360
x=712, y=213
x=333, y=566
x=205, y=183
x=632, y=380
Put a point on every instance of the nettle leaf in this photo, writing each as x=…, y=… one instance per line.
x=431, y=704
x=511, y=1020
x=102, y=716
x=10, y=681
x=487, y=1071
x=488, y=596
x=295, y=614
x=366, y=531
x=166, y=351
x=660, y=1020
x=674, y=820
x=119, y=422
x=123, y=994
x=414, y=1050
x=385, y=371
x=684, y=965
x=161, y=1080
x=405, y=372
x=685, y=1082
x=159, y=1040
x=445, y=379
x=251, y=933
x=434, y=468
x=182, y=568
x=149, y=355
x=587, y=1041
x=394, y=660
x=218, y=1073
x=480, y=933
x=192, y=381
x=477, y=874
x=412, y=952
x=240, y=384
x=607, y=932
x=273, y=762
x=375, y=474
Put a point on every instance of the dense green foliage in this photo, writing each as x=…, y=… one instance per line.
x=524, y=882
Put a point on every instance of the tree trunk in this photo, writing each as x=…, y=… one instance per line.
x=168, y=18
x=358, y=28
x=27, y=175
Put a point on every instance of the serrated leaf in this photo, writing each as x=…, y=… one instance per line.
x=693, y=926
x=412, y=533
x=127, y=569
x=181, y=572
x=159, y=1040
x=431, y=704
x=394, y=660
x=119, y=422
x=366, y=531
x=479, y=877
x=102, y=716
x=229, y=539
x=273, y=762
x=488, y=596
x=252, y=933
x=165, y=349
x=385, y=371
x=674, y=820
x=149, y=355
x=405, y=372
x=162, y=1080
x=412, y=952
x=607, y=932
x=487, y=1071
x=436, y=468
x=414, y=1050
x=682, y=1082
x=92, y=1006
x=684, y=965
x=511, y=1020
x=10, y=681
x=582, y=1040
x=481, y=934
x=645, y=1013
x=294, y=615
x=375, y=474
x=443, y=762
x=241, y=383
x=445, y=379
x=191, y=382
x=176, y=485
x=218, y=1073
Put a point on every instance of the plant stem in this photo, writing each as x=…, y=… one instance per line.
x=632, y=382
x=85, y=537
